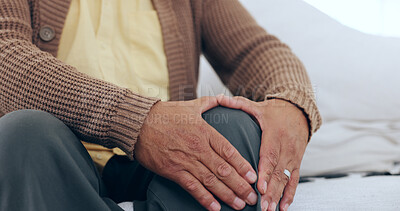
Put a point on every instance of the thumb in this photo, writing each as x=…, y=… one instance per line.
x=238, y=102
x=207, y=103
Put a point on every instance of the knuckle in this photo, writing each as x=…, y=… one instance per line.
x=267, y=165
x=285, y=180
x=243, y=167
x=228, y=151
x=205, y=199
x=294, y=181
x=224, y=170
x=273, y=157
x=268, y=172
x=243, y=189
x=194, y=143
x=270, y=196
x=171, y=165
x=191, y=185
x=210, y=180
x=278, y=176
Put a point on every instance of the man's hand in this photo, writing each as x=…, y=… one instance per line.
x=176, y=143
x=284, y=140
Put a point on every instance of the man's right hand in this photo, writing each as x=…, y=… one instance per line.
x=175, y=142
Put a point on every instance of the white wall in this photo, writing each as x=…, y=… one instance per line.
x=379, y=17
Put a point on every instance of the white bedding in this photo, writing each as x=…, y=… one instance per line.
x=349, y=193
x=353, y=146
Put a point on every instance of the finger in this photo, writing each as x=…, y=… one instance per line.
x=269, y=158
x=230, y=154
x=207, y=103
x=276, y=186
x=238, y=102
x=188, y=182
x=264, y=202
x=210, y=181
x=290, y=190
x=230, y=177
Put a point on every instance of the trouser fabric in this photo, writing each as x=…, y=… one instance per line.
x=44, y=166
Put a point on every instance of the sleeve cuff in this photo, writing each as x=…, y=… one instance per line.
x=128, y=120
x=303, y=101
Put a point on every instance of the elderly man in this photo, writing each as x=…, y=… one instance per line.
x=122, y=75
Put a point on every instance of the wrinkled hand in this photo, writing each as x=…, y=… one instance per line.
x=284, y=140
x=175, y=142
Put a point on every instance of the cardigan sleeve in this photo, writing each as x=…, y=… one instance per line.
x=253, y=63
x=96, y=111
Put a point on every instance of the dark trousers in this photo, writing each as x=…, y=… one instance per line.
x=44, y=166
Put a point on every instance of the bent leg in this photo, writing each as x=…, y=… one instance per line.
x=126, y=180
x=238, y=128
x=44, y=166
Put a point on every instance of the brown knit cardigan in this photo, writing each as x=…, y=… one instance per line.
x=249, y=61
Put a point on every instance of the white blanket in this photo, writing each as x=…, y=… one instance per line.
x=353, y=146
x=348, y=193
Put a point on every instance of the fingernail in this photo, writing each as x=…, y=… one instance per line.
x=215, y=206
x=264, y=205
x=273, y=206
x=252, y=198
x=286, y=207
x=251, y=176
x=221, y=95
x=265, y=187
x=238, y=203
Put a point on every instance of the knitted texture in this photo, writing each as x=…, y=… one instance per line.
x=31, y=78
x=249, y=61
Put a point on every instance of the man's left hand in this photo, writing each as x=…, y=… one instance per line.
x=284, y=139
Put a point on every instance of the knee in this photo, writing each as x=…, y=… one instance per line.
x=232, y=117
x=239, y=129
x=25, y=130
x=233, y=123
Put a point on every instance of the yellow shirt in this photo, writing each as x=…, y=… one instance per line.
x=119, y=41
